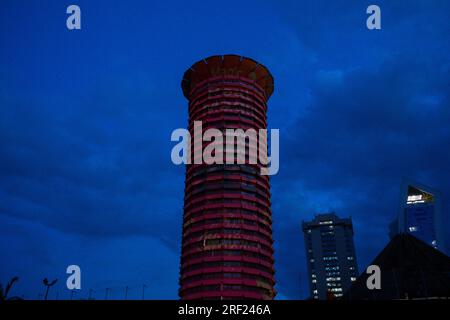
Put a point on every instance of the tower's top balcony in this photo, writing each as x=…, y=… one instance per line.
x=231, y=65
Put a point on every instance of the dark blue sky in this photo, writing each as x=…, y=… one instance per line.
x=86, y=117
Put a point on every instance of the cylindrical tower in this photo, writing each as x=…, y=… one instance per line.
x=227, y=241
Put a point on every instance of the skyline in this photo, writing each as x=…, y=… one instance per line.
x=87, y=116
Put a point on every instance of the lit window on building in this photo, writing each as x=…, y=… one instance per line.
x=330, y=258
x=332, y=268
x=333, y=279
x=414, y=199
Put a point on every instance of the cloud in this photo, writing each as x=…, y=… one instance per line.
x=364, y=131
x=86, y=120
x=33, y=251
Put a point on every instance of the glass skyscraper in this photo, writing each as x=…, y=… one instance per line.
x=420, y=214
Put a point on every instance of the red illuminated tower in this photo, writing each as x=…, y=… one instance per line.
x=227, y=250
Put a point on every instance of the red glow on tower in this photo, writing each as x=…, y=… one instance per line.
x=227, y=250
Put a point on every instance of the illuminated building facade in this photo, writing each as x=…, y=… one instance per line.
x=330, y=255
x=227, y=250
x=420, y=215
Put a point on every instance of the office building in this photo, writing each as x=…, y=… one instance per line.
x=330, y=255
x=419, y=215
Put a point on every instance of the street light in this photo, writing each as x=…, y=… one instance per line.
x=48, y=285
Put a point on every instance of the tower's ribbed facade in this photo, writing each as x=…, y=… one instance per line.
x=227, y=241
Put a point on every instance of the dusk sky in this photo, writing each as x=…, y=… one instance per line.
x=86, y=116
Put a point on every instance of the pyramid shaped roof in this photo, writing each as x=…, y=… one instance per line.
x=410, y=268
